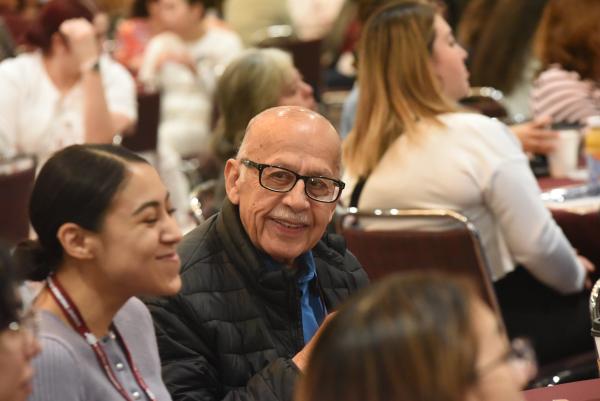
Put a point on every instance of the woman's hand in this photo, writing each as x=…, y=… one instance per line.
x=535, y=135
x=80, y=36
x=589, y=269
x=301, y=358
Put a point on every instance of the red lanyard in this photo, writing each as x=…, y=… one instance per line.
x=74, y=317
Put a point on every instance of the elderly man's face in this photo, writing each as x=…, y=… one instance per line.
x=284, y=225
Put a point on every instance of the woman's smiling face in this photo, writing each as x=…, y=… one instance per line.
x=135, y=247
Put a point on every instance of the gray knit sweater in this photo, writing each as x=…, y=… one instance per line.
x=67, y=368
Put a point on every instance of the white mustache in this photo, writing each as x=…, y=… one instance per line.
x=285, y=214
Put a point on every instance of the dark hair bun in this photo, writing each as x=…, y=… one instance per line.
x=33, y=261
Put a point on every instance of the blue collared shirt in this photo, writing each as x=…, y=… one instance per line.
x=313, y=309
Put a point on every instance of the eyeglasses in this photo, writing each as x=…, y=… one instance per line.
x=521, y=353
x=279, y=179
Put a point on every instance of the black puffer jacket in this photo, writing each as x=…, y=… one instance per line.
x=232, y=330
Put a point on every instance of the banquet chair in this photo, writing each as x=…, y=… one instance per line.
x=202, y=200
x=16, y=182
x=143, y=136
x=455, y=248
x=306, y=55
x=487, y=101
x=307, y=59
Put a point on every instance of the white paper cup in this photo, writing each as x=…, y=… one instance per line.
x=563, y=160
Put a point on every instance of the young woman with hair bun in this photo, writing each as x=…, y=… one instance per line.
x=105, y=236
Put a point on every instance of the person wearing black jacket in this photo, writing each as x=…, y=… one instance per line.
x=260, y=277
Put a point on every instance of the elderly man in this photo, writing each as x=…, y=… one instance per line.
x=260, y=277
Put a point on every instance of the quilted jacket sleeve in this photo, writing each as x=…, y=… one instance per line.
x=189, y=364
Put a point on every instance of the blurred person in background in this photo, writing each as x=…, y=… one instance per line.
x=568, y=46
x=412, y=147
x=105, y=236
x=256, y=80
x=18, y=342
x=65, y=92
x=184, y=63
x=501, y=54
x=134, y=33
x=473, y=22
x=499, y=36
x=535, y=136
x=416, y=337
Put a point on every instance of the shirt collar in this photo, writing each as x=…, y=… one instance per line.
x=306, y=262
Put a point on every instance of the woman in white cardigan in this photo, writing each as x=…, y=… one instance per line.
x=414, y=148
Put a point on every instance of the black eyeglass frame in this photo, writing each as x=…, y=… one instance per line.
x=261, y=166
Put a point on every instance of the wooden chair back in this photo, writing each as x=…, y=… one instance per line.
x=17, y=176
x=456, y=250
x=306, y=56
x=143, y=136
x=487, y=101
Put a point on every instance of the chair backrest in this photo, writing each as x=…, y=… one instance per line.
x=16, y=182
x=306, y=56
x=487, y=101
x=455, y=250
x=143, y=136
x=202, y=200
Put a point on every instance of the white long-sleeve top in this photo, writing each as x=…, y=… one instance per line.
x=35, y=118
x=475, y=166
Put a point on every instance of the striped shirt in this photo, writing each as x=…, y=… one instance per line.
x=564, y=96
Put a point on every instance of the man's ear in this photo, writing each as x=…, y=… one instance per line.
x=76, y=241
x=232, y=180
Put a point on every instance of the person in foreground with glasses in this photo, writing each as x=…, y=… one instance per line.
x=18, y=341
x=106, y=235
x=260, y=277
x=416, y=337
